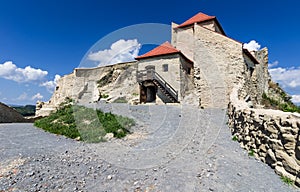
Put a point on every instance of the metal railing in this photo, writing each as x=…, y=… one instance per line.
x=153, y=75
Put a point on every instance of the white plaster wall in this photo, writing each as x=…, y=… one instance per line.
x=172, y=76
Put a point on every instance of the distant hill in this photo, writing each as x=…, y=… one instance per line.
x=27, y=110
x=10, y=115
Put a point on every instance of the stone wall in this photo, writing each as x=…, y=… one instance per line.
x=219, y=64
x=272, y=135
x=82, y=86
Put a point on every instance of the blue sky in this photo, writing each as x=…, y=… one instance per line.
x=41, y=39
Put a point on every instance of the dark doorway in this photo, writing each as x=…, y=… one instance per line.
x=151, y=94
x=148, y=92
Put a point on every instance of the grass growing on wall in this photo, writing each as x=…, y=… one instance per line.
x=287, y=106
x=287, y=180
x=87, y=124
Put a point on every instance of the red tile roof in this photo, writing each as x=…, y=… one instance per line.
x=200, y=17
x=164, y=49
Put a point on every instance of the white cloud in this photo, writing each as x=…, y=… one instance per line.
x=274, y=64
x=120, y=51
x=50, y=85
x=22, y=97
x=10, y=71
x=296, y=98
x=287, y=77
x=252, y=46
x=37, y=96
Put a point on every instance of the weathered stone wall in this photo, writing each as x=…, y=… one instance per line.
x=220, y=64
x=186, y=78
x=82, y=86
x=272, y=135
x=256, y=78
x=184, y=40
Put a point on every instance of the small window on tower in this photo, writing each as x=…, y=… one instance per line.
x=165, y=67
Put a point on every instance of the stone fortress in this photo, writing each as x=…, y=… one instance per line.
x=202, y=67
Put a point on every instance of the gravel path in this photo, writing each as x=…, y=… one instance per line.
x=171, y=149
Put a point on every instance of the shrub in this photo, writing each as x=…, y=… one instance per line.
x=104, y=96
x=287, y=106
x=88, y=124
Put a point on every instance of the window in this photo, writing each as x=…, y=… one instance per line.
x=165, y=67
x=150, y=67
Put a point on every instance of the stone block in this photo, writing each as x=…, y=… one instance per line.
x=271, y=154
x=290, y=145
x=288, y=162
x=284, y=122
x=297, y=182
x=262, y=148
x=272, y=129
x=297, y=152
x=288, y=137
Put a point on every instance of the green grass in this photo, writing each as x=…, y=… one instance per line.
x=104, y=96
x=251, y=153
x=234, y=138
x=287, y=106
x=287, y=180
x=91, y=126
x=135, y=94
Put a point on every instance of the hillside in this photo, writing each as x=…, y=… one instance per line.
x=10, y=115
x=27, y=110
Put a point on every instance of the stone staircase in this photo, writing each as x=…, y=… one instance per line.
x=165, y=91
x=164, y=94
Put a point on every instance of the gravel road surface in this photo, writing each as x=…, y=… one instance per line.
x=172, y=148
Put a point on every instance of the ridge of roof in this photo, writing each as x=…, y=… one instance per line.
x=198, y=18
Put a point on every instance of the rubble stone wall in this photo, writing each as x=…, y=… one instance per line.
x=272, y=135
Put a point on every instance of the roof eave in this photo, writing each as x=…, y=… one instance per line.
x=179, y=52
x=250, y=56
x=147, y=57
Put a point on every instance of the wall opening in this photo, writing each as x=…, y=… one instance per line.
x=165, y=67
x=151, y=94
x=148, y=92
